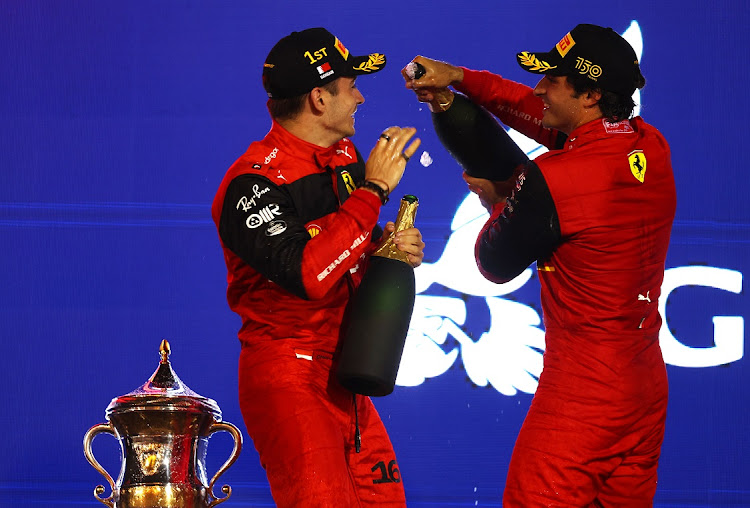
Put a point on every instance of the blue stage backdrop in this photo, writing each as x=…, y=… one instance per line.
x=117, y=122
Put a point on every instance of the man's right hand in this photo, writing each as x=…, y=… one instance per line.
x=387, y=160
x=438, y=75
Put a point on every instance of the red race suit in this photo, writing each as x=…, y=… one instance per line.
x=295, y=233
x=593, y=433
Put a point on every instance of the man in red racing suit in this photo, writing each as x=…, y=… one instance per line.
x=595, y=213
x=297, y=215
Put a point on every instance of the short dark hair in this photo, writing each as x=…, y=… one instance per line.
x=286, y=109
x=614, y=106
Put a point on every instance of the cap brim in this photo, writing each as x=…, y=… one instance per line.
x=367, y=64
x=540, y=62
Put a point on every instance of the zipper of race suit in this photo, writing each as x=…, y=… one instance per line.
x=357, y=435
x=350, y=283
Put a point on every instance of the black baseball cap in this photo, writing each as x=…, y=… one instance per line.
x=598, y=53
x=303, y=60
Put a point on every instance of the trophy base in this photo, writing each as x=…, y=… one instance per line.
x=163, y=496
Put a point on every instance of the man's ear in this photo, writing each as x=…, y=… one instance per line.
x=317, y=100
x=592, y=98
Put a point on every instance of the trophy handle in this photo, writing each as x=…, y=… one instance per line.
x=87, y=440
x=237, y=435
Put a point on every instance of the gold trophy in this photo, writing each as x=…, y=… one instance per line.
x=163, y=429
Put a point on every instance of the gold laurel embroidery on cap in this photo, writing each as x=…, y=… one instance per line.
x=270, y=66
x=530, y=60
x=373, y=63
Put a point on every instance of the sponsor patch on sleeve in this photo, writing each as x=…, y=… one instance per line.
x=313, y=230
x=276, y=227
x=248, y=203
x=262, y=216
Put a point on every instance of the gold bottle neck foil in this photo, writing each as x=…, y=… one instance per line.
x=407, y=212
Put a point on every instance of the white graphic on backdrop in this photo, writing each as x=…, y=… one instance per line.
x=508, y=355
x=729, y=331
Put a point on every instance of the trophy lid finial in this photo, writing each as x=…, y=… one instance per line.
x=163, y=391
x=164, y=351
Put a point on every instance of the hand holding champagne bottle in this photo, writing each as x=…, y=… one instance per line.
x=430, y=80
x=468, y=131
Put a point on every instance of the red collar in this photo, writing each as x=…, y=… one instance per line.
x=341, y=152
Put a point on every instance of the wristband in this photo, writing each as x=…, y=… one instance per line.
x=382, y=193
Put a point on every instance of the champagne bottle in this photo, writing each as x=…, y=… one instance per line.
x=474, y=138
x=379, y=315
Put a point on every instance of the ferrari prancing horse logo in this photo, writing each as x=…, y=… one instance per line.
x=637, y=161
x=348, y=180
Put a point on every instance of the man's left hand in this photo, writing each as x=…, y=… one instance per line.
x=409, y=241
x=489, y=192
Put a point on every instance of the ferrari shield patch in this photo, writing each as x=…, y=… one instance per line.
x=637, y=161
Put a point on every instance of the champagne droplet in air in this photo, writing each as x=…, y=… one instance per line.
x=425, y=159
